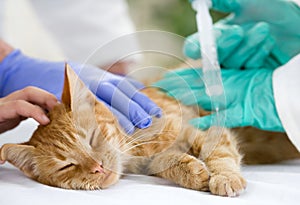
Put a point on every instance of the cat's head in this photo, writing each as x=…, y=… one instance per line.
x=80, y=149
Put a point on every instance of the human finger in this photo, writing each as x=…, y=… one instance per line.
x=253, y=38
x=227, y=37
x=191, y=47
x=34, y=95
x=192, y=97
x=172, y=84
x=120, y=101
x=122, y=119
x=20, y=109
x=228, y=40
x=180, y=72
x=258, y=59
x=179, y=78
x=135, y=95
x=138, y=85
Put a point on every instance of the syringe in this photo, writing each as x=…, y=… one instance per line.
x=210, y=65
x=211, y=72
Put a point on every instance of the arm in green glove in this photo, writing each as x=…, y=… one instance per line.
x=256, y=34
x=249, y=97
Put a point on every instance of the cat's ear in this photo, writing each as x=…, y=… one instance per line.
x=75, y=93
x=78, y=97
x=19, y=155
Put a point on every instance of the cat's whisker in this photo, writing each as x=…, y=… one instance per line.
x=143, y=143
x=139, y=135
x=123, y=140
x=135, y=139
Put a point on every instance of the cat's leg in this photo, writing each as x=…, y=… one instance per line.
x=181, y=168
x=223, y=161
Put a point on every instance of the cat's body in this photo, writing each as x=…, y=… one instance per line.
x=84, y=148
x=190, y=157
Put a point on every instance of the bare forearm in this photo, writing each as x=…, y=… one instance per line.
x=5, y=49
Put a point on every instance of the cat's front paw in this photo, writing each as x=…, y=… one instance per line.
x=197, y=176
x=227, y=184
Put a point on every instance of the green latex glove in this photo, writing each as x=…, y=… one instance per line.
x=257, y=33
x=249, y=97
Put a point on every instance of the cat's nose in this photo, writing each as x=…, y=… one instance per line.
x=97, y=168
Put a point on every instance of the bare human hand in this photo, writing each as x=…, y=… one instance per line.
x=30, y=102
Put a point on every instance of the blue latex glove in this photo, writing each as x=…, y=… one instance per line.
x=121, y=94
x=249, y=97
x=257, y=34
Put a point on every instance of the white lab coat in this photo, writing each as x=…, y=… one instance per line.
x=66, y=29
x=286, y=88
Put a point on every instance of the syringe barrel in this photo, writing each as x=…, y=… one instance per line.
x=210, y=64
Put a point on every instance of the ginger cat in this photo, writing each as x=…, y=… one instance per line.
x=84, y=148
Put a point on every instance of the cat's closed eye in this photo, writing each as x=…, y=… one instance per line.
x=66, y=167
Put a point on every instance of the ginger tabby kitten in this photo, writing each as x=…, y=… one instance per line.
x=83, y=147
